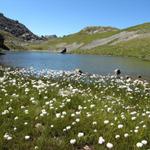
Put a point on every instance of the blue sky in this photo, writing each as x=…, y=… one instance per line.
x=61, y=17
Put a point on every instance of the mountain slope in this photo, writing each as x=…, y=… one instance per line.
x=132, y=41
x=16, y=35
x=139, y=48
x=13, y=42
x=77, y=40
x=142, y=28
x=16, y=29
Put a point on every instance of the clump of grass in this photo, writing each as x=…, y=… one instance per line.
x=64, y=110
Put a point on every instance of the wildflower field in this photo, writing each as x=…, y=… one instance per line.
x=67, y=111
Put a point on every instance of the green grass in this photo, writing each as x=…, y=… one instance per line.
x=91, y=99
x=80, y=37
x=139, y=48
x=141, y=28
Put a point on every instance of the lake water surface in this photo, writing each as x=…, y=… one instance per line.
x=88, y=63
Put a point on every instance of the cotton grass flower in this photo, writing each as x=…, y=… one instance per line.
x=117, y=136
x=101, y=140
x=80, y=134
x=106, y=121
x=36, y=147
x=77, y=120
x=52, y=126
x=120, y=126
x=7, y=137
x=139, y=145
x=16, y=118
x=144, y=142
x=72, y=141
x=25, y=123
x=126, y=135
x=68, y=127
x=94, y=123
x=26, y=111
x=5, y=112
x=109, y=145
x=27, y=137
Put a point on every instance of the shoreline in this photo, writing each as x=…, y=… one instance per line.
x=74, y=53
x=75, y=72
x=133, y=75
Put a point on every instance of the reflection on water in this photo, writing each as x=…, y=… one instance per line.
x=88, y=63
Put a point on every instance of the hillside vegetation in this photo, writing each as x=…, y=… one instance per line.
x=133, y=41
x=143, y=27
x=15, y=34
x=82, y=37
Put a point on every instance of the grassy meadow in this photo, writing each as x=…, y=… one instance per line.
x=68, y=111
x=138, y=48
x=80, y=37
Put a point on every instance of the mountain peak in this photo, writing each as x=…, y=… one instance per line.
x=16, y=28
x=98, y=29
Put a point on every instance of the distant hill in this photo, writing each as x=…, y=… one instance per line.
x=132, y=41
x=98, y=29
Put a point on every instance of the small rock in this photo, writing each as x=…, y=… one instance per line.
x=117, y=72
x=78, y=71
x=86, y=147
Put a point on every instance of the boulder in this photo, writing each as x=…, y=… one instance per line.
x=78, y=71
x=140, y=77
x=1, y=40
x=117, y=72
x=63, y=51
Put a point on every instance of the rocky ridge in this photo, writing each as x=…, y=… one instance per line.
x=16, y=29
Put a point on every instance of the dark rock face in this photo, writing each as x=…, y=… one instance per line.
x=17, y=29
x=2, y=45
x=1, y=40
